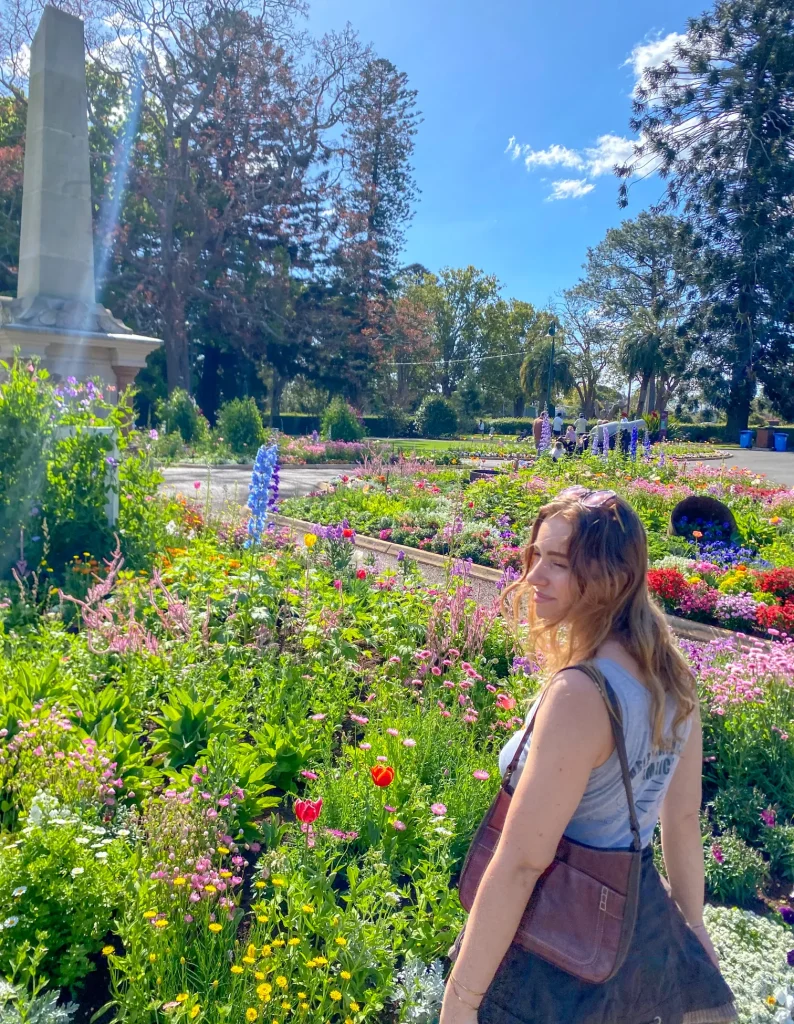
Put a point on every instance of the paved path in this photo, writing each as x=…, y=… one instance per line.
x=778, y=466
x=230, y=483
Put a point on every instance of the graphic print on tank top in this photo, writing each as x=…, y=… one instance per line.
x=654, y=768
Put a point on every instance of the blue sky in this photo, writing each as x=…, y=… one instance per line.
x=550, y=74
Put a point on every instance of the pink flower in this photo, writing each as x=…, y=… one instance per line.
x=361, y=719
x=317, y=718
x=309, y=775
x=490, y=687
x=438, y=809
x=717, y=854
x=389, y=808
x=381, y=757
x=365, y=746
x=39, y=751
x=338, y=584
x=480, y=775
x=399, y=825
x=436, y=670
x=409, y=743
x=197, y=484
x=505, y=702
x=393, y=732
x=768, y=817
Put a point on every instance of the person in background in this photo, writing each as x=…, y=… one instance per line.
x=570, y=438
x=580, y=426
x=557, y=450
x=537, y=431
x=481, y=426
x=557, y=425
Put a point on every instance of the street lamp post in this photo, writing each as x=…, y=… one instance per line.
x=551, y=333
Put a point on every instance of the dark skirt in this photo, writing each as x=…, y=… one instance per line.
x=667, y=977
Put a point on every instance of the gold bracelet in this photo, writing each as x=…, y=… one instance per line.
x=459, y=984
x=460, y=999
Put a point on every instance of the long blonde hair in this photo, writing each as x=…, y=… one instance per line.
x=608, y=557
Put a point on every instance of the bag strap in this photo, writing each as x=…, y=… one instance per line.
x=616, y=721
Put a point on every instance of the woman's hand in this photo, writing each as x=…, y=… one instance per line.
x=706, y=943
x=454, y=1010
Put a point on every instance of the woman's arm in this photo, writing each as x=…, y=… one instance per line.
x=572, y=734
x=682, y=844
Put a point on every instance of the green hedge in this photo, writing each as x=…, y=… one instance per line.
x=297, y=424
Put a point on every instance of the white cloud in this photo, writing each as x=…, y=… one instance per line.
x=570, y=188
x=652, y=54
x=554, y=156
x=608, y=151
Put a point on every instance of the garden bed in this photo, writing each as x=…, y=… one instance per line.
x=741, y=580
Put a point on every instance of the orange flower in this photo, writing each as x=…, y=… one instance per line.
x=382, y=775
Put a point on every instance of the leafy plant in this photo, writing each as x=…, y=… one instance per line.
x=180, y=413
x=240, y=426
x=340, y=423
x=734, y=870
x=436, y=417
x=185, y=726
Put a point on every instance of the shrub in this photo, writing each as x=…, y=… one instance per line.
x=436, y=417
x=340, y=422
x=734, y=870
x=778, y=841
x=240, y=426
x=180, y=413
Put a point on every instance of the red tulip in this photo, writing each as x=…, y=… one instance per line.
x=382, y=775
x=347, y=533
x=308, y=811
x=361, y=574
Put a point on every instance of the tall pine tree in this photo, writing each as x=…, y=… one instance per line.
x=716, y=121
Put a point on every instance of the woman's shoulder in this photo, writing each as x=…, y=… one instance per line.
x=572, y=694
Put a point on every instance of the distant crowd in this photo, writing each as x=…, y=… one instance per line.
x=573, y=438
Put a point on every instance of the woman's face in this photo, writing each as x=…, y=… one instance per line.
x=550, y=574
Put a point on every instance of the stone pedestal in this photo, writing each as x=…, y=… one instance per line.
x=55, y=314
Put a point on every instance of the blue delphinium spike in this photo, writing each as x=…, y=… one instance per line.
x=262, y=491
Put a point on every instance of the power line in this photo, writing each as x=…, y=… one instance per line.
x=469, y=359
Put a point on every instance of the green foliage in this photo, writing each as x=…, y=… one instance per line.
x=240, y=426
x=185, y=726
x=436, y=417
x=778, y=842
x=734, y=871
x=340, y=423
x=180, y=413
x=738, y=806
x=64, y=889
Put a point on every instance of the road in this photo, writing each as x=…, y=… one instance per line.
x=778, y=466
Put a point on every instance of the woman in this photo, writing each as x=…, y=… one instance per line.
x=585, y=581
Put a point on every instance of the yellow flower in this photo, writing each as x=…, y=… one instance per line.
x=277, y=882
x=260, y=885
x=348, y=1020
x=152, y=957
x=335, y=994
x=215, y=927
x=161, y=923
x=311, y=963
x=259, y=975
x=285, y=1006
x=295, y=941
x=215, y=983
x=107, y=950
x=355, y=1007
x=251, y=951
x=182, y=997
x=237, y=969
x=345, y=975
x=281, y=981
x=310, y=539
x=340, y=940
x=179, y=881
x=307, y=908
x=335, y=920
x=223, y=849
x=251, y=1013
x=210, y=888
x=249, y=960
x=149, y=914
x=182, y=960
x=304, y=1006
x=278, y=943
x=771, y=1001
x=262, y=918
x=225, y=874
x=321, y=960
x=266, y=950
x=195, y=1011
x=302, y=995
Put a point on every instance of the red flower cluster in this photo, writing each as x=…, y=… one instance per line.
x=776, y=616
x=779, y=582
x=668, y=584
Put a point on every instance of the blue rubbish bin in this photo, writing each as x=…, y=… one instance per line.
x=745, y=438
x=781, y=440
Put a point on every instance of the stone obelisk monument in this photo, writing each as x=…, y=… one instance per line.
x=55, y=314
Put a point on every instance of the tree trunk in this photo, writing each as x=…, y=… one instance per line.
x=276, y=391
x=208, y=388
x=644, y=381
x=177, y=363
x=519, y=404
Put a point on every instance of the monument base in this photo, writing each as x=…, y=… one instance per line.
x=114, y=358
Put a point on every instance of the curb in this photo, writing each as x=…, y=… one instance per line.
x=247, y=467
x=687, y=629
